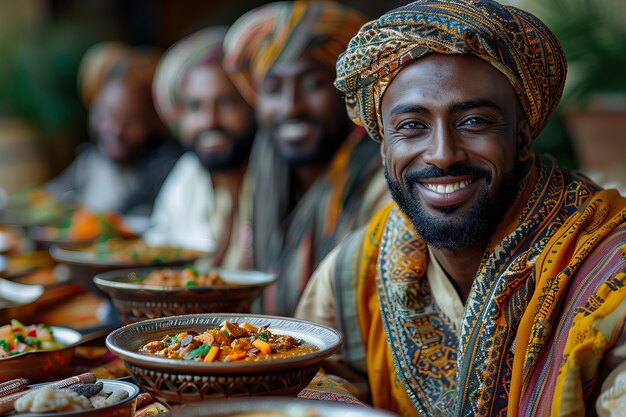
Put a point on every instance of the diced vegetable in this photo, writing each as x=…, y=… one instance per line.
x=212, y=355
x=263, y=346
x=249, y=327
x=199, y=351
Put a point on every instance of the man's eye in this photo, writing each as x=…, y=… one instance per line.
x=473, y=121
x=411, y=125
x=271, y=87
x=225, y=101
x=192, y=106
x=311, y=84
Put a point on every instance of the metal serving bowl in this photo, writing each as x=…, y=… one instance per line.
x=135, y=301
x=280, y=407
x=180, y=381
x=124, y=408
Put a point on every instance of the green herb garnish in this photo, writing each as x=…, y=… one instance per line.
x=199, y=351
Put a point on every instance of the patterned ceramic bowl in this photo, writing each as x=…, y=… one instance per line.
x=134, y=301
x=179, y=381
x=276, y=407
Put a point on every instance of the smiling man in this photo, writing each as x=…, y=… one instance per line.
x=316, y=176
x=495, y=283
x=206, y=202
x=129, y=156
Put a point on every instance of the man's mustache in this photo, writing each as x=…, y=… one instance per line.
x=282, y=121
x=454, y=171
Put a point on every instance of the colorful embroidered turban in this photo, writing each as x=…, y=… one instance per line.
x=114, y=60
x=200, y=48
x=513, y=41
x=282, y=32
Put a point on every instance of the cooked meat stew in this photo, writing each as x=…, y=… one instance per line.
x=231, y=342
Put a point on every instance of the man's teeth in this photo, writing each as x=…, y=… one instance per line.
x=293, y=129
x=447, y=188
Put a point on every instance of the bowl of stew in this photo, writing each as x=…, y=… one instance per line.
x=147, y=293
x=195, y=357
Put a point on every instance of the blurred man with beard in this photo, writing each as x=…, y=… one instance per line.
x=495, y=284
x=130, y=156
x=317, y=177
x=206, y=201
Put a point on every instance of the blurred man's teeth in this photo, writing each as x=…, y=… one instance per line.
x=293, y=129
x=447, y=188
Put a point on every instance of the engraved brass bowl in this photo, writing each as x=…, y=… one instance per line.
x=180, y=381
x=279, y=407
x=135, y=301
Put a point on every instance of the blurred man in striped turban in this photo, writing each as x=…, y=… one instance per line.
x=317, y=177
x=495, y=284
x=206, y=201
x=131, y=154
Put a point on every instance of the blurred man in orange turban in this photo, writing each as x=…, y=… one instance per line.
x=124, y=167
x=317, y=177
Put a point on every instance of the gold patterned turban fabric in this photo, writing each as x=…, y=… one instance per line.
x=282, y=32
x=106, y=61
x=513, y=41
x=200, y=48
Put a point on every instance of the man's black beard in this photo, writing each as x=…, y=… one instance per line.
x=457, y=232
x=236, y=155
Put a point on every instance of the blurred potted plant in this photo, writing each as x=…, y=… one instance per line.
x=40, y=110
x=593, y=110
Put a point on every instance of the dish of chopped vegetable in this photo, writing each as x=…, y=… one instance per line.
x=17, y=338
x=231, y=342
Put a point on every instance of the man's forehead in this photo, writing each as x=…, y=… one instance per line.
x=302, y=65
x=451, y=77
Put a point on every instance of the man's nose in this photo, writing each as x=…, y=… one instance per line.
x=444, y=148
x=209, y=118
x=291, y=101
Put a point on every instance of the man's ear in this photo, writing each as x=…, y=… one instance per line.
x=524, y=140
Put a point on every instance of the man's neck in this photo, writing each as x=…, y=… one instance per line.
x=306, y=175
x=461, y=266
x=230, y=179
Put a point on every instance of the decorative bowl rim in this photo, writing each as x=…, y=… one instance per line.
x=225, y=407
x=109, y=280
x=68, y=256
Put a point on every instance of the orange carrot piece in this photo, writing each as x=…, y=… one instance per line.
x=262, y=346
x=210, y=357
